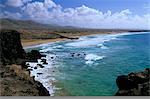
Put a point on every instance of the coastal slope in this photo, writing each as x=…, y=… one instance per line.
x=15, y=79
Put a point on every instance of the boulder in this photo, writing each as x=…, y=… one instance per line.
x=41, y=66
x=134, y=84
x=124, y=83
x=33, y=55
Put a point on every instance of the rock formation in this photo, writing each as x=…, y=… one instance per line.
x=11, y=48
x=134, y=84
x=15, y=79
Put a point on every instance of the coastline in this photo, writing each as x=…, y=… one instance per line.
x=55, y=40
x=50, y=85
x=34, y=42
x=15, y=77
x=31, y=42
x=27, y=43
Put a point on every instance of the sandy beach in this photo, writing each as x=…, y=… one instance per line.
x=33, y=42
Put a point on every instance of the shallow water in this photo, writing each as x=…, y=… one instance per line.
x=90, y=65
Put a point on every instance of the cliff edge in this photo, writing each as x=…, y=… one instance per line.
x=15, y=79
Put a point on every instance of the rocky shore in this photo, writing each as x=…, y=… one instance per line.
x=134, y=84
x=15, y=78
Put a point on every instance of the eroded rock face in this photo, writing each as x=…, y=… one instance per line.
x=134, y=84
x=15, y=80
x=11, y=48
x=19, y=83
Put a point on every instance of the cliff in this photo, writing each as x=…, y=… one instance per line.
x=15, y=79
x=11, y=48
x=134, y=84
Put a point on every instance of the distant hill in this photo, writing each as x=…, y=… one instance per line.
x=6, y=23
x=28, y=24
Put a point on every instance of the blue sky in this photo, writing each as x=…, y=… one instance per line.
x=136, y=6
x=82, y=13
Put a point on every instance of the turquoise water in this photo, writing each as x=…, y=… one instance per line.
x=89, y=66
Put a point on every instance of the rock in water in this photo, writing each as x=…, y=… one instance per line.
x=134, y=84
x=33, y=55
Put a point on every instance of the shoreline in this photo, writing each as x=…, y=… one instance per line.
x=35, y=42
x=53, y=89
x=15, y=77
x=49, y=84
x=31, y=42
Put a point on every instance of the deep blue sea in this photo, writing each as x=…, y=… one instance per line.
x=90, y=65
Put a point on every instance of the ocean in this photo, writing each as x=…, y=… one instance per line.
x=90, y=65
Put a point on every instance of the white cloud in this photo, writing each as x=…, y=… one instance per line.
x=16, y=3
x=49, y=4
x=7, y=14
x=83, y=16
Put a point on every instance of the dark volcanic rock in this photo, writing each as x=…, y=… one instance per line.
x=43, y=55
x=35, y=67
x=41, y=66
x=15, y=79
x=11, y=48
x=39, y=73
x=44, y=61
x=33, y=55
x=124, y=83
x=42, y=90
x=134, y=84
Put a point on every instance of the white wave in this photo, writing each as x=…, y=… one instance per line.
x=102, y=46
x=39, y=45
x=58, y=46
x=47, y=78
x=46, y=50
x=94, y=41
x=89, y=62
x=49, y=48
x=90, y=58
x=130, y=33
x=93, y=57
x=85, y=40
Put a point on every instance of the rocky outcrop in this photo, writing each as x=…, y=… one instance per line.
x=11, y=48
x=15, y=79
x=33, y=55
x=16, y=82
x=134, y=84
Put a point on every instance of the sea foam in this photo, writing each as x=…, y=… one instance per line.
x=47, y=75
x=91, y=41
x=90, y=58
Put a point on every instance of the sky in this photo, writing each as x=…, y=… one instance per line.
x=120, y=14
